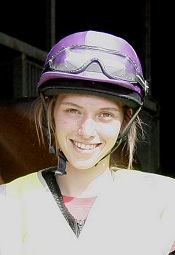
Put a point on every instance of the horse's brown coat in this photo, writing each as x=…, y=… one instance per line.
x=20, y=152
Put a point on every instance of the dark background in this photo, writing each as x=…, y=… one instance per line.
x=26, y=21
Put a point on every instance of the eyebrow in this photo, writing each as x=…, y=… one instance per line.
x=101, y=109
x=69, y=103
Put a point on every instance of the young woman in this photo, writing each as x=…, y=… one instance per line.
x=90, y=93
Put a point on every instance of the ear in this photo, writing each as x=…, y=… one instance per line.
x=128, y=112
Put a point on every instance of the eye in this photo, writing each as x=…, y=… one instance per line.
x=72, y=111
x=106, y=115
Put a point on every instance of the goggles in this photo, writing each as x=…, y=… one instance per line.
x=116, y=65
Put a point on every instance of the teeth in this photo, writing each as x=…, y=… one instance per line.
x=85, y=146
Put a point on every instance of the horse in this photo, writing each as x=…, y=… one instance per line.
x=21, y=152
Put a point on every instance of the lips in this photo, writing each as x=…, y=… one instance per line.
x=85, y=146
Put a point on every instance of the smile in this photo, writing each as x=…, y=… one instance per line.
x=85, y=146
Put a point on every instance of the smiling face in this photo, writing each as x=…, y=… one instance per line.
x=86, y=127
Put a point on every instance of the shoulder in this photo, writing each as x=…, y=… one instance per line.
x=21, y=185
x=146, y=177
x=150, y=182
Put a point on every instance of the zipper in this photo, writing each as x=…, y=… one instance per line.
x=78, y=226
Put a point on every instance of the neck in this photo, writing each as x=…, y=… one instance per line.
x=77, y=181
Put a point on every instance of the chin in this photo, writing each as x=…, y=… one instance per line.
x=84, y=164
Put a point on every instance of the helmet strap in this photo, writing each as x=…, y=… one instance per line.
x=45, y=125
x=61, y=166
x=128, y=126
x=122, y=137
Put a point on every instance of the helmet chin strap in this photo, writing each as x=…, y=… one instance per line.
x=61, y=166
x=122, y=137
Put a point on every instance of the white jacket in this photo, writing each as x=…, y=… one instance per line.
x=134, y=214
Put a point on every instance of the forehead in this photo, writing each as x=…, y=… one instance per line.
x=85, y=99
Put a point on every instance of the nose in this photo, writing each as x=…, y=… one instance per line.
x=87, y=128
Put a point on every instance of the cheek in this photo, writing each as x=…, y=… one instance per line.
x=63, y=126
x=62, y=129
x=112, y=131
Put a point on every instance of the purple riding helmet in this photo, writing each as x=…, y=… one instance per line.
x=96, y=63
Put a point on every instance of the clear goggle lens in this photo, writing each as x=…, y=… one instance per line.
x=113, y=64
